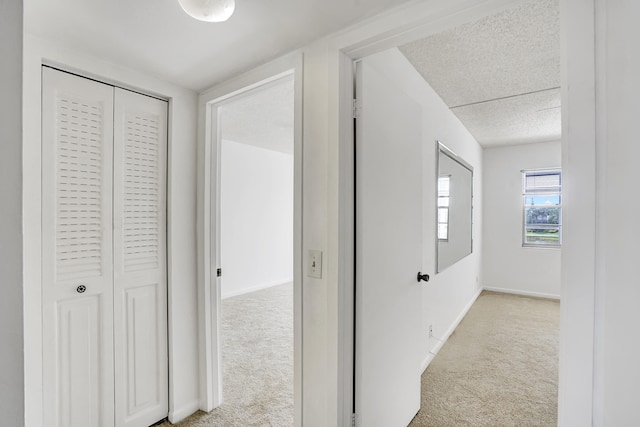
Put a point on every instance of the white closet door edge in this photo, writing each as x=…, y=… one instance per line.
x=140, y=259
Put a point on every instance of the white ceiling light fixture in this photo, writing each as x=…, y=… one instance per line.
x=209, y=10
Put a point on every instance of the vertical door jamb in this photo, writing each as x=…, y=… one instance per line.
x=209, y=223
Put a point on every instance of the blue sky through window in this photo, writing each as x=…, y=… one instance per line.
x=542, y=200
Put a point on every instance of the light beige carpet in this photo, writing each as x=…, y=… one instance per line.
x=257, y=355
x=499, y=368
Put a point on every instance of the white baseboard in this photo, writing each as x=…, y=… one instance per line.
x=454, y=325
x=177, y=415
x=523, y=293
x=427, y=361
x=255, y=288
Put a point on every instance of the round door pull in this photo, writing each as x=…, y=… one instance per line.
x=80, y=289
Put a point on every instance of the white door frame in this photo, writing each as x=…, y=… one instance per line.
x=208, y=224
x=421, y=19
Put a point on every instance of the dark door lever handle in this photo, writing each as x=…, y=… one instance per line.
x=424, y=277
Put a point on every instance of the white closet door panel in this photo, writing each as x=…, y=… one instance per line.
x=141, y=353
x=79, y=334
x=77, y=281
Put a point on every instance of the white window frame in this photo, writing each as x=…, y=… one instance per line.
x=548, y=192
x=444, y=206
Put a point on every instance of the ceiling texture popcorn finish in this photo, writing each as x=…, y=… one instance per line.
x=500, y=75
x=263, y=118
x=158, y=38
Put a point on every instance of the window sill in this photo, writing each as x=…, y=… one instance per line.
x=533, y=246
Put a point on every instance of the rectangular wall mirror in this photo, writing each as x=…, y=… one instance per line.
x=454, y=203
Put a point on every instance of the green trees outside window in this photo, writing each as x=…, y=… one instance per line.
x=542, y=216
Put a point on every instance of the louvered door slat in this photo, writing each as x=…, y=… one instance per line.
x=77, y=167
x=79, y=120
x=141, y=152
x=140, y=254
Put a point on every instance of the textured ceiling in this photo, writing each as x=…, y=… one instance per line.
x=157, y=37
x=263, y=118
x=500, y=75
x=522, y=119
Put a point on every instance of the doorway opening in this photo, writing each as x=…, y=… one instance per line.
x=503, y=124
x=256, y=255
x=252, y=298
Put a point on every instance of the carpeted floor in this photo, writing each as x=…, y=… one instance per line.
x=257, y=350
x=499, y=368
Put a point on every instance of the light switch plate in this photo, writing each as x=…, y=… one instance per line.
x=315, y=264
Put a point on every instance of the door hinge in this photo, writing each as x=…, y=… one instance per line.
x=354, y=108
x=219, y=272
x=353, y=420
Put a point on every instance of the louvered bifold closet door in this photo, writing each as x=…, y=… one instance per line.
x=77, y=281
x=140, y=144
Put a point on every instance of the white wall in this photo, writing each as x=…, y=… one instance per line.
x=326, y=174
x=11, y=277
x=618, y=202
x=183, y=322
x=319, y=355
x=576, y=398
x=507, y=266
x=256, y=229
x=449, y=294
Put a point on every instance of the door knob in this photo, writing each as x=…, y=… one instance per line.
x=80, y=289
x=424, y=277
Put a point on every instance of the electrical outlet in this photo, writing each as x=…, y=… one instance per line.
x=430, y=331
x=315, y=264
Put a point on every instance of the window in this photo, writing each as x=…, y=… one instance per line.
x=444, y=190
x=542, y=210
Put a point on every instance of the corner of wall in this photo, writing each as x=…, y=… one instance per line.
x=12, y=320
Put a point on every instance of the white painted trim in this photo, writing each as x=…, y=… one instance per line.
x=449, y=332
x=346, y=245
x=463, y=313
x=579, y=255
x=255, y=288
x=208, y=298
x=298, y=238
x=209, y=396
x=522, y=293
x=430, y=356
x=251, y=79
x=32, y=229
x=602, y=209
x=412, y=21
x=179, y=414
